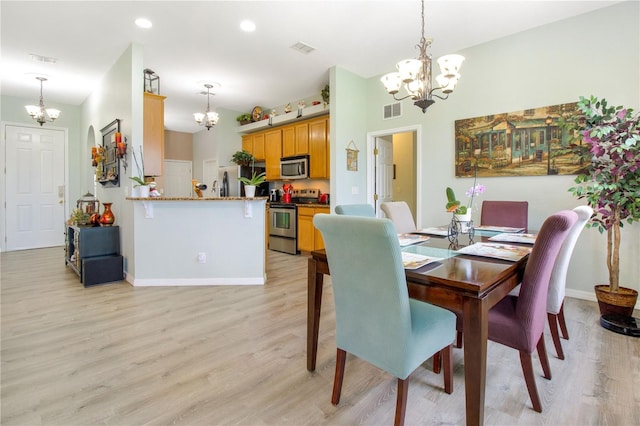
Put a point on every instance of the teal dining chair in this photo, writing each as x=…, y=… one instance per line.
x=375, y=318
x=356, y=210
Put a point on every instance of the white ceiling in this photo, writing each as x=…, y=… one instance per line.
x=192, y=42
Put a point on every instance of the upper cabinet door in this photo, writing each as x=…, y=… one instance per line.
x=153, y=136
x=319, y=148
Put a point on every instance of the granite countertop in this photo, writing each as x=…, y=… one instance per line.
x=197, y=199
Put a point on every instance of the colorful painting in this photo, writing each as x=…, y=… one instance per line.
x=534, y=142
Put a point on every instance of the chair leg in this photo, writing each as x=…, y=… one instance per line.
x=555, y=336
x=544, y=359
x=341, y=357
x=401, y=402
x=447, y=358
x=459, y=339
x=437, y=362
x=530, y=380
x=563, y=324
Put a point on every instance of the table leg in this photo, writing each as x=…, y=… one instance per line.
x=475, y=329
x=315, y=281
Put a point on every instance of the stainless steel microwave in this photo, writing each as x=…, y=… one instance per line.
x=294, y=167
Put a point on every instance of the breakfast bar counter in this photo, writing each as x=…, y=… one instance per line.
x=197, y=241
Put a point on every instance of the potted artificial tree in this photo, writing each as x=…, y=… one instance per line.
x=611, y=186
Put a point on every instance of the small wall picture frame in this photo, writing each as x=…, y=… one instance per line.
x=352, y=157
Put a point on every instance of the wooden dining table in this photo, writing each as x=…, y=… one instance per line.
x=467, y=284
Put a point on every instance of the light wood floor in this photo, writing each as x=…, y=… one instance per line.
x=119, y=355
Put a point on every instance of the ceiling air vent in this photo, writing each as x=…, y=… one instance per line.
x=392, y=111
x=303, y=47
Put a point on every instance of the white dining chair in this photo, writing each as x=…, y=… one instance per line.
x=400, y=214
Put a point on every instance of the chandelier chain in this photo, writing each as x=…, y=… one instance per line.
x=422, y=39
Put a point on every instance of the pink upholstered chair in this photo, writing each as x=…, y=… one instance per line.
x=558, y=281
x=505, y=213
x=518, y=322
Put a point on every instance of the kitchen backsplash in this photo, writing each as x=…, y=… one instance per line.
x=321, y=184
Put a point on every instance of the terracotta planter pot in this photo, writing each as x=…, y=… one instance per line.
x=621, y=303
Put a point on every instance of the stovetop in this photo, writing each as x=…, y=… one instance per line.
x=305, y=196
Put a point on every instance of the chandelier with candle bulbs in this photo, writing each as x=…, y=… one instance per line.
x=415, y=74
x=39, y=112
x=209, y=118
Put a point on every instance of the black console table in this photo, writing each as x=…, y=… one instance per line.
x=93, y=252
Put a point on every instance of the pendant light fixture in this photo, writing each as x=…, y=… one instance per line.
x=38, y=112
x=416, y=75
x=209, y=118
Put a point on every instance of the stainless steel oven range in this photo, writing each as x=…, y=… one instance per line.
x=283, y=232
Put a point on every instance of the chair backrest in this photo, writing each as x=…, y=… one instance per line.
x=505, y=213
x=531, y=308
x=365, y=210
x=369, y=288
x=400, y=214
x=558, y=282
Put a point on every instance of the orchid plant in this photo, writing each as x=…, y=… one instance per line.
x=456, y=206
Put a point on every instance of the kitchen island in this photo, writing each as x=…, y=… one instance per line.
x=197, y=241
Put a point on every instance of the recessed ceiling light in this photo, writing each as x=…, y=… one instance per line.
x=143, y=23
x=248, y=26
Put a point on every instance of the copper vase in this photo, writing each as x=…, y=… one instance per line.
x=107, y=218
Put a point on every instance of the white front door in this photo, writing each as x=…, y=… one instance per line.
x=384, y=171
x=35, y=187
x=177, y=178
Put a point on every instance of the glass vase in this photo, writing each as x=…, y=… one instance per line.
x=107, y=218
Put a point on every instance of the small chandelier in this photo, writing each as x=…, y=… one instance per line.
x=209, y=118
x=416, y=75
x=38, y=112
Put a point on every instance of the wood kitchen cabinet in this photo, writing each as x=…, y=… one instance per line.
x=295, y=139
x=273, y=148
x=308, y=137
x=255, y=144
x=309, y=238
x=319, y=148
x=153, y=134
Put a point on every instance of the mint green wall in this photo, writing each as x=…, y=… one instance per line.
x=118, y=95
x=220, y=142
x=347, y=123
x=596, y=53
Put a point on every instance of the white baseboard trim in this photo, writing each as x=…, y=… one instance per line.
x=185, y=282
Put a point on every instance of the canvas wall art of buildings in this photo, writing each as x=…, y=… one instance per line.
x=534, y=142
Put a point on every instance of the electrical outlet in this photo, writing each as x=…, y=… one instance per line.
x=355, y=190
x=202, y=257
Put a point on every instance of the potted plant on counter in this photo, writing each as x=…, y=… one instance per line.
x=141, y=185
x=611, y=186
x=251, y=183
